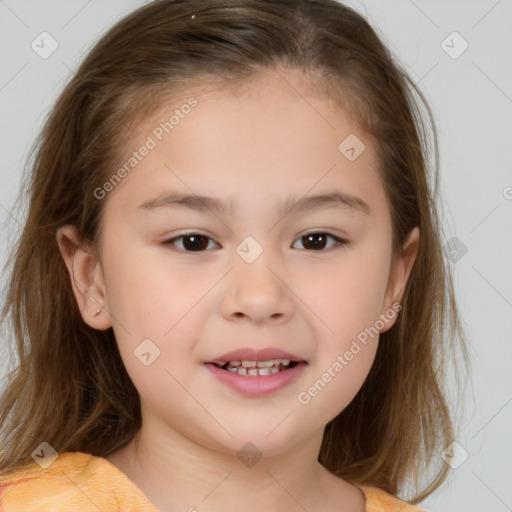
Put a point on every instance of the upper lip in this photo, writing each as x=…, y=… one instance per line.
x=256, y=354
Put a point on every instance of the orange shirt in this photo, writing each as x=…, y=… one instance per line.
x=80, y=482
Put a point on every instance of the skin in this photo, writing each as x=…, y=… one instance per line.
x=272, y=139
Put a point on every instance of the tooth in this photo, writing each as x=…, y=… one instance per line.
x=273, y=370
x=264, y=371
x=235, y=363
x=221, y=363
x=286, y=362
x=267, y=364
x=252, y=371
x=249, y=363
x=229, y=369
x=242, y=371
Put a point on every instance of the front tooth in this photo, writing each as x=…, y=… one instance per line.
x=267, y=364
x=242, y=371
x=252, y=371
x=235, y=363
x=247, y=364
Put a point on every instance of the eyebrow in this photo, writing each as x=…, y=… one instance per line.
x=335, y=199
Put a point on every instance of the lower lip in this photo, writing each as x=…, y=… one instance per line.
x=257, y=385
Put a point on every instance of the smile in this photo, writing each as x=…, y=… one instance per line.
x=255, y=368
x=256, y=378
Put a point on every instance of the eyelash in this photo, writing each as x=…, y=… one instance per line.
x=340, y=242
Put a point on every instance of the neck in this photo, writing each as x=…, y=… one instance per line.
x=178, y=473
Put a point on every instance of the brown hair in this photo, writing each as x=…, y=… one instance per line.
x=70, y=387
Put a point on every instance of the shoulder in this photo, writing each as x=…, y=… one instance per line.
x=378, y=500
x=73, y=481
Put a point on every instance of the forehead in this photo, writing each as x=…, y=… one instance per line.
x=277, y=134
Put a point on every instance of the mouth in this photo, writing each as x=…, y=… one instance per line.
x=253, y=378
x=257, y=368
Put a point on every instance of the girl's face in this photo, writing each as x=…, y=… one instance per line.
x=257, y=272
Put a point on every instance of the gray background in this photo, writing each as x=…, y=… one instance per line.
x=471, y=97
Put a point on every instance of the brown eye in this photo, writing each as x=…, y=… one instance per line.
x=317, y=241
x=193, y=242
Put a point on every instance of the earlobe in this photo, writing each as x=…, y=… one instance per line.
x=400, y=272
x=86, y=277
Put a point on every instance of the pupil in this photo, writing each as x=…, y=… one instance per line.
x=312, y=237
x=195, y=245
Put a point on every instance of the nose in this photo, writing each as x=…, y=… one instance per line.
x=258, y=293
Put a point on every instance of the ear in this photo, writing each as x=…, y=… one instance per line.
x=86, y=277
x=399, y=274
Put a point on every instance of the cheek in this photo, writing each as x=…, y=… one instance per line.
x=148, y=293
x=348, y=303
x=152, y=310
x=347, y=296
x=336, y=383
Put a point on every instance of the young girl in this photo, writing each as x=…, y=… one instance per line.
x=230, y=291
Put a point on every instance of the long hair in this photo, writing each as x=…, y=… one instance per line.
x=69, y=386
